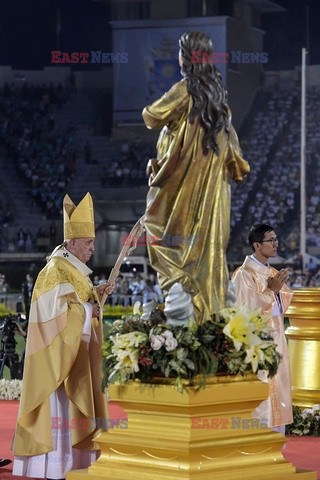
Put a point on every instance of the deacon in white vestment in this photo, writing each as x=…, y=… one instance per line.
x=260, y=286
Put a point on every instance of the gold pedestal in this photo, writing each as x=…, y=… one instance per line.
x=304, y=346
x=163, y=440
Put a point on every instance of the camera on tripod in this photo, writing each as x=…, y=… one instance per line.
x=8, y=355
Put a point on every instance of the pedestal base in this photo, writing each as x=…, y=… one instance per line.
x=304, y=346
x=198, y=435
x=132, y=475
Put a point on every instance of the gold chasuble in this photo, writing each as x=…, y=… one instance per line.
x=56, y=356
x=188, y=205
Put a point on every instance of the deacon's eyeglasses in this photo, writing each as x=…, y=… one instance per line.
x=273, y=240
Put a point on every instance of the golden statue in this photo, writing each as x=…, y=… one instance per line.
x=188, y=205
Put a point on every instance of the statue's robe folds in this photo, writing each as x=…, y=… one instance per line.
x=61, y=396
x=188, y=205
x=252, y=290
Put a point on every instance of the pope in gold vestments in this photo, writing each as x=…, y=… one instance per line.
x=252, y=290
x=62, y=370
x=188, y=205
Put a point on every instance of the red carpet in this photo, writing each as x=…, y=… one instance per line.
x=8, y=418
x=302, y=452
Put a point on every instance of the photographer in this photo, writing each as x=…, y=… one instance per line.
x=8, y=355
x=20, y=329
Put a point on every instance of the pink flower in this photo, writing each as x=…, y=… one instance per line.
x=171, y=344
x=167, y=334
x=156, y=342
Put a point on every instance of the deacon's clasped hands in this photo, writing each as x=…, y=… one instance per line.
x=276, y=283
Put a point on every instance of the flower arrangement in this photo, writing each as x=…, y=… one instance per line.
x=305, y=422
x=238, y=341
x=10, y=389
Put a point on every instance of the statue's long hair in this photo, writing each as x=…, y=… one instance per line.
x=205, y=85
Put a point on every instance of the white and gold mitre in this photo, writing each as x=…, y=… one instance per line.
x=78, y=222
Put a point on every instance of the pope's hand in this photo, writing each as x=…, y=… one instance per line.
x=95, y=310
x=106, y=287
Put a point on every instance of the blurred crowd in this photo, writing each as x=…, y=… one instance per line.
x=259, y=148
x=271, y=194
x=40, y=241
x=130, y=289
x=43, y=153
x=6, y=214
x=129, y=168
x=309, y=277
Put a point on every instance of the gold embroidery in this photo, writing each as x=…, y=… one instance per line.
x=57, y=271
x=275, y=404
x=79, y=230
